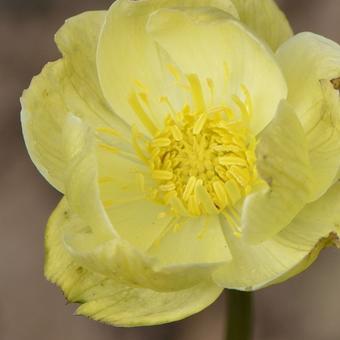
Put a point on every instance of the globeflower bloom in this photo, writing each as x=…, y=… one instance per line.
x=197, y=146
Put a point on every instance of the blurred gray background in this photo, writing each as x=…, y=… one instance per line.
x=306, y=307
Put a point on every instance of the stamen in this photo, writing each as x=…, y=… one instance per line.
x=235, y=227
x=162, y=174
x=249, y=102
x=108, y=148
x=168, y=187
x=239, y=175
x=233, y=191
x=108, y=131
x=166, y=101
x=241, y=106
x=141, y=114
x=210, y=84
x=174, y=71
x=205, y=199
x=198, y=126
x=221, y=193
x=189, y=188
x=194, y=206
x=161, y=142
x=197, y=92
x=176, y=133
x=232, y=160
x=135, y=144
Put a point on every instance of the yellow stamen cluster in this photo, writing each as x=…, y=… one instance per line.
x=203, y=163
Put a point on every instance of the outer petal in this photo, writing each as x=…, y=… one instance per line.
x=227, y=59
x=265, y=19
x=68, y=85
x=77, y=40
x=309, y=63
x=110, y=250
x=134, y=73
x=288, y=253
x=107, y=300
x=282, y=161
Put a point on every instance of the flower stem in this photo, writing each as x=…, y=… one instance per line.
x=239, y=311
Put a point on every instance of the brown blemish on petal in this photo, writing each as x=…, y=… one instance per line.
x=336, y=83
x=80, y=270
x=334, y=239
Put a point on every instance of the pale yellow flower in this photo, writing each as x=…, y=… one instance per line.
x=197, y=145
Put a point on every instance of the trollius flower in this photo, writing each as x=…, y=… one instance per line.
x=197, y=145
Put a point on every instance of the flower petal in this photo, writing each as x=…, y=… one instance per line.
x=192, y=241
x=123, y=180
x=134, y=73
x=265, y=19
x=138, y=221
x=310, y=62
x=225, y=57
x=42, y=117
x=282, y=161
x=109, y=301
x=64, y=86
x=77, y=40
x=288, y=253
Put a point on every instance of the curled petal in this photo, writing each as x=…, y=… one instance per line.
x=283, y=162
x=286, y=254
x=311, y=65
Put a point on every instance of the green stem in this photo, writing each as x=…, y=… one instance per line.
x=239, y=315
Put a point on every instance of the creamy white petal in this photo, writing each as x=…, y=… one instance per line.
x=283, y=162
x=310, y=64
x=286, y=254
x=69, y=85
x=225, y=63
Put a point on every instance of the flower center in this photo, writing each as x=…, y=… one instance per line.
x=203, y=163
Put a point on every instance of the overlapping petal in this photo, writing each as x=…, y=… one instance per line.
x=106, y=299
x=134, y=73
x=283, y=162
x=215, y=48
x=65, y=86
x=286, y=254
x=310, y=62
